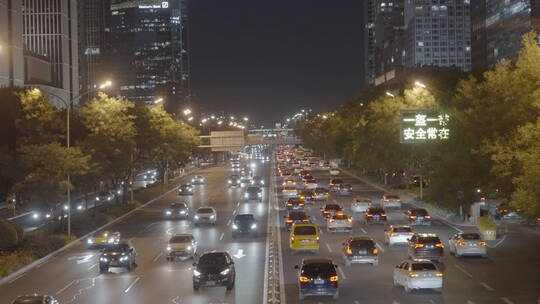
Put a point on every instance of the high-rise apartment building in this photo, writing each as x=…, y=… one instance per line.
x=38, y=46
x=149, y=56
x=369, y=41
x=437, y=33
x=389, y=29
x=94, y=19
x=498, y=27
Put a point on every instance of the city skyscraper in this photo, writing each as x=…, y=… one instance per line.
x=11, y=46
x=497, y=28
x=389, y=29
x=149, y=54
x=369, y=15
x=94, y=19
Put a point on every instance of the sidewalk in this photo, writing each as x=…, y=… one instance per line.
x=448, y=217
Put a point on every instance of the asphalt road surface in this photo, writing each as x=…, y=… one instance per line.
x=509, y=275
x=73, y=276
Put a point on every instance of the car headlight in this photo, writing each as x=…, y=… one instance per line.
x=97, y=198
x=252, y=182
x=124, y=258
x=189, y=247
x=183, y=212
x=196, y=273
x=242, y=184
x=234, y=226
x=48, y=215
x=66, y=207
x=212, y=217
x=196, y=217
x=192, y=180
x=262, y=182
x=79, y=207
x=225, y=272
x=89, y=241
x=103, y=259
x=168, y=248
x=109, y=198
x=229, y=181
x=259, y=194
x=168, y=212
x=246, y=195
x=253, y=226
x=35, y=216
x=110, y=240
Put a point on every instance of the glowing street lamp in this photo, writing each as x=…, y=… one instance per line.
x=419, y=84
x=159, y=100
x=324, y=117
x=187, y=112
x=246, y=119
x=204, y=120
x=220, y=122
x=106, y=84
x=212, y=117
x=190, y=119
x=390, y=94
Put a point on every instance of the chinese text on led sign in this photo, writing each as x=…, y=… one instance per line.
x=423, y=125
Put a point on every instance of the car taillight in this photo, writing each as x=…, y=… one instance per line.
x=438, y=274
x=439, y=245
x=305, y=220
x=350, y=220
x=462, y=243
x=301, y=204
x=482, y=243
x=418, y=245
x=349, y=251
x=369, y=214
x=411, y=233
x=334, y=278
x=412, y=216
x=289, y=204
x=289, y=221
x=427, y=216
x=331, y=220
x=413, y=275
x=303, y=279
x=375, y=250
x=393, y=234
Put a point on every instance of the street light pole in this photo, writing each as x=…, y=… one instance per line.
x=68, y=144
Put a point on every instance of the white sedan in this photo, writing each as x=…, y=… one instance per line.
x=418, y=274
x=360, y=204
x=339, y=222
x=467, y=244
x=391, y=201
x=334, y=172
x=397, y=234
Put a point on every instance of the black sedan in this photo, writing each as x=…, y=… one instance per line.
x=317, y=277
x=214, y=269
x=35, y=299
x=245, y=224
x=177, y=210
x=120, y=255
x=185, y=189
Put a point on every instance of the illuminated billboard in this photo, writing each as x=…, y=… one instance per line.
x=420, y=126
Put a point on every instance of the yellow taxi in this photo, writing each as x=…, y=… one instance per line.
x=289, y=182
x=103, y=239
x=304, y=237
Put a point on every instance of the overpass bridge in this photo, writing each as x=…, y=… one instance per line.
x=234, y=141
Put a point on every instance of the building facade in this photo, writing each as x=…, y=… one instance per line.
x=437, y=33
x=149, y=56
x=11, y=44
x=50, y=31
x=389, y=29
x=498, y=27
x=369, y=41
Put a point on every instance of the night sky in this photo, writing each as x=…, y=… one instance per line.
x=268, y=59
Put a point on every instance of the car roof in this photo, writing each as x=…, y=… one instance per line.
x=426, y=234
x=414, y=261
x=400, y=226
x=305, y=225
x=361, y=238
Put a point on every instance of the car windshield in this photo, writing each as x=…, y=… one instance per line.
x=363, y=200
x=177, y=206
x=29, y=300
x=419, y=212
x=252, y=189
x=234, y=177
x=376, y=210
x=103, y=193
x=257, y=178
x=429, y=239
x=116, y=248
x=244, y=217
x=295, y=201
x=310, y=181
x=181, y=239
x=470, y=236
x=205, y=210
x=332, y=207
x=402, y=229
x=361, y=243
x=423, y=267
x=340, y=217
x=314, y=269
x=212, y=259
x=297, y=215
x=305, y=230
x=337, y=181
x=392, y=197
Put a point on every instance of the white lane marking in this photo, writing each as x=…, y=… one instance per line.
x=356, y=302
x=328, y=246
x=486, y=286
x=221, y=236
x=90, y=268
x=380, y=247
x=234, y=212
x=157, y=256
x=463, y=270
x=47, y=261
x=507, y=301
x=363, y=230
x=470, y=302
x=229, y=223
x=498, y=243
x=431, y=301
x=238, y=204
x=342, y=274
x=176, y=300
x=132, y=284
x=16, y=278
x=239, y=254
x=64, y=288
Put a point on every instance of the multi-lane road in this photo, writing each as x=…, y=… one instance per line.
x=73, y=275
x=508, y=276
